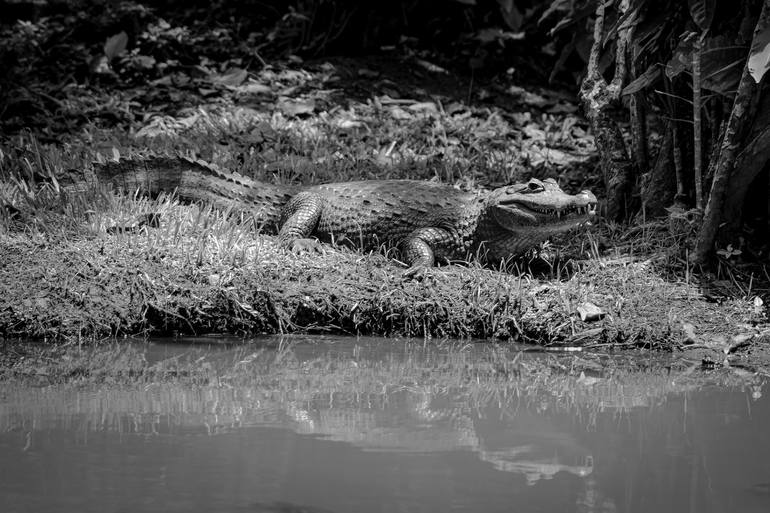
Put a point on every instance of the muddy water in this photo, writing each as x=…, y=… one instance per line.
x=371, y=426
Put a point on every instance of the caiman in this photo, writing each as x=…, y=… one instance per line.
x=428, y=222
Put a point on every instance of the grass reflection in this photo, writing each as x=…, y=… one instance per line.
x=130, y=388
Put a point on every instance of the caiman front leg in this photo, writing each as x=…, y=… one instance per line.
x=418, y=249
x=299, y=219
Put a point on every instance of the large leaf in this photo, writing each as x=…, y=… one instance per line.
x=721, y=63
x=759, y=59
x=702, y=12
x=650, y=36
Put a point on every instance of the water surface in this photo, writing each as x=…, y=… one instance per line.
x=386, y=426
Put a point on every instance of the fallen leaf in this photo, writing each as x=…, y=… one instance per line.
x=455, y=108
x=115, y=45
x=346, y=124
x=433, y=68
x=254, y=88
x=100, y=65
x=423, y=107
x=232, y=77
x=143, y=61
x=296, y=107
x=203, y=91
x=164, y=81
x=399, y=113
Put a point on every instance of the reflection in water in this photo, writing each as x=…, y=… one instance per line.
x=529, y=461
x=368, y=426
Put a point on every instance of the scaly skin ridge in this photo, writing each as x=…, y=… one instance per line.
x=428, y=222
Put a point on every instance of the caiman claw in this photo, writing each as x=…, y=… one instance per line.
x=418, y=272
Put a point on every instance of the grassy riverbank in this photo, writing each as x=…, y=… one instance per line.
x=200, y=272
x=77, y=266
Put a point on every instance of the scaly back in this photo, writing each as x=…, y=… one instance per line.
x=373, y=212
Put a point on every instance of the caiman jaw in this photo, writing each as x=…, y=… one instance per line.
x=542, y=213
x=542, y=206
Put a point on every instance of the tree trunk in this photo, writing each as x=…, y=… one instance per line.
x=639, y=132
x=748, y=165
x=659, y=184
x=740, y=116
x=697, y=147
x=598, y=97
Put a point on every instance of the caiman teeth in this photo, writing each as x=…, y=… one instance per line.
x=558, y=213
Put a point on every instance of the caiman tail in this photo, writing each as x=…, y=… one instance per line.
x=194, y=180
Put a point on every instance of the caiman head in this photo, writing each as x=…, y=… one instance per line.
x=520, y=216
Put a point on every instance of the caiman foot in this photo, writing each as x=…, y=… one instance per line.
x=419, y=272
x=304, y=245
x=149, y=220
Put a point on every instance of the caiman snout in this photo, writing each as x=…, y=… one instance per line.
x=543, y=204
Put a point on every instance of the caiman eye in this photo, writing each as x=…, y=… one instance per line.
x=533, y=187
